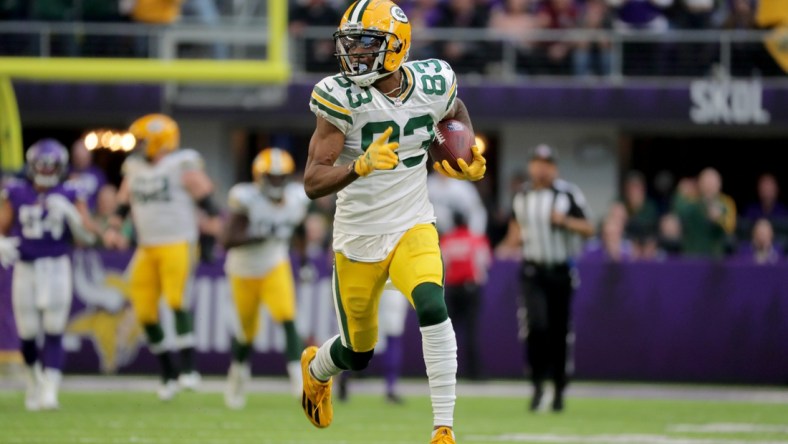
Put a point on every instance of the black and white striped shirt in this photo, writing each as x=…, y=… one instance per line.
x=544, y=243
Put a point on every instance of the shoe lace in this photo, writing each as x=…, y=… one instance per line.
x=322, y=392
x=443, y=437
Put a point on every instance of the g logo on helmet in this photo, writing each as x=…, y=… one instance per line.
x=399, y=14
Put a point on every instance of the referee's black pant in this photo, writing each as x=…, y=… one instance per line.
x=544, y=317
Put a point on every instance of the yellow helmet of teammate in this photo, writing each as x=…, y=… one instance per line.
x=271, y=169
x=380, y=29
x=158, y=131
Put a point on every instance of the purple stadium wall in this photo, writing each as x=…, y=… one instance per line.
x=687, y=321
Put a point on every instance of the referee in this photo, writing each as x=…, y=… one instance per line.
x=550, y=222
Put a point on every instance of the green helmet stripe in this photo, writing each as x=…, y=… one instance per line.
x=358, y=11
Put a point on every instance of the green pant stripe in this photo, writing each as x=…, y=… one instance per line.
x=341, y=311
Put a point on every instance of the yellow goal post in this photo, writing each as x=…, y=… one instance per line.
x=273, y=70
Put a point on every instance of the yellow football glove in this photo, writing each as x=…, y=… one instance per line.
x=380, y=155
x=473, y=172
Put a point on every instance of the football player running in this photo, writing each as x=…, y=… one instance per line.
x=161, y=185
x=42, y=217
x=263, y=216
x=375, y=122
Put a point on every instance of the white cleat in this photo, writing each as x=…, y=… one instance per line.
x=189, y=381
x=237, y=378
x=50, y=385
x=33, y=381
x=168, y=390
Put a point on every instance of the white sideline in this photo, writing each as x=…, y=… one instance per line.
x=418, y=387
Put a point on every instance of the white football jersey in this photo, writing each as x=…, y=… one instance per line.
x=161, y=207
x=387, y=202
x=269, y=219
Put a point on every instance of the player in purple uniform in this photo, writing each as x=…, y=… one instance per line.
x=40, y=218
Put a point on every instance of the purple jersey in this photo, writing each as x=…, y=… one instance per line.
x=41, y=234
x=89, y=181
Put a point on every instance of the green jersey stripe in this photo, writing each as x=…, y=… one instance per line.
x=451, y=99
x=331, y=112
x=328, y=97
x=413, y=87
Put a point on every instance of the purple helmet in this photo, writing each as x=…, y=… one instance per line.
x=47, y=162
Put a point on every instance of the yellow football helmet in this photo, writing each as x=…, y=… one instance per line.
x=158, y=131
x=372, y=27
x=271, y=169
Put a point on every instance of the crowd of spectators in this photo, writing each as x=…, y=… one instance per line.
x=701, y=221
x=514, y=25
x=506, y=29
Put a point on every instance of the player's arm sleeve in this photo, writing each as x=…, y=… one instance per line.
x=326, y=103
x=237, y=200
x=477, y=212
x=189, y=159
x=450, y=78
x=128, y=165
x=75, y=193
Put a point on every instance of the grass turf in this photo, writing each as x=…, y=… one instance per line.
x=131, y=417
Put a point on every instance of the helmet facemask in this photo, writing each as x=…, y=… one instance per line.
x=273, y=185
x=271, y=170
x=353, y=43
x=47, y=163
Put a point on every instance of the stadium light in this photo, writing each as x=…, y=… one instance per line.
x=127, y=142
x=91, y=141
x=481, y=143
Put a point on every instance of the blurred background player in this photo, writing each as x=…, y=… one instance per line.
x=263, y=216
x=161, y=185
x=42, y=217
x=456, y=196
x=467, y=257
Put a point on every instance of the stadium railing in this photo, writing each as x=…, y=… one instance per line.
x=620, y=56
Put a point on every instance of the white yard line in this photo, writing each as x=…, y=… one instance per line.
x=728, y=427
x=534, y=438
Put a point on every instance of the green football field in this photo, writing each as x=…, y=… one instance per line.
x=192, y=418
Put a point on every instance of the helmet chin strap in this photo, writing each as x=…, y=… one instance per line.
x=365, y=80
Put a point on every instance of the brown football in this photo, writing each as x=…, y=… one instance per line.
x=453, y=140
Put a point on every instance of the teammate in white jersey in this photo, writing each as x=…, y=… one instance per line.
x=162, y=188
x=375, y=122
x=263, y=216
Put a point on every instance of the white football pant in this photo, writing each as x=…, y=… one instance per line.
x=41, y=293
